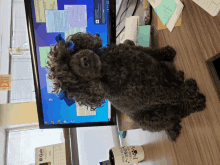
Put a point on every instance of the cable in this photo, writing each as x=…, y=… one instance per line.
x=148, y=22
x=123, y=13
x=126, y=11
x=132, y=15
x=150, y=8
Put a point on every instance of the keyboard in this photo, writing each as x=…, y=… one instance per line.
x=210, y=6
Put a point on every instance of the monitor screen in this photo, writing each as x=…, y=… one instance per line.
x=47, y=19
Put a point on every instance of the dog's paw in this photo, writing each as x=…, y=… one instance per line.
x=174, y=132
x=199, y=103
x=191, y=88
x=170, y=53
x=170, y=50
x=180, y=76
x=129, y=42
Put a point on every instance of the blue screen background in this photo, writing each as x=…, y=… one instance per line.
x=57, y=111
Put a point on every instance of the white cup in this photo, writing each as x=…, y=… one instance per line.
x=126, y=155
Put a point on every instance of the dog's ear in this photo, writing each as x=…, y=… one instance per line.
x=85, y=41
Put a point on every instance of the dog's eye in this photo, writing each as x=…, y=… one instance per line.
x=86, y=64
x=85, y=59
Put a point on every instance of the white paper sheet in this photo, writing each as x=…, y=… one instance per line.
x=174, y=18
x=22, y=83
x=77, y=15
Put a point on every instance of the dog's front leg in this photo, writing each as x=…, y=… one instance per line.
x=166, y=53
x=129, y=42
x=174, y=132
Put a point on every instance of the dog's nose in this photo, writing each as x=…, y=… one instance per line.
x=85, y=62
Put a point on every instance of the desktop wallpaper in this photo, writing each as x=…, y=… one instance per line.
x=64, y=17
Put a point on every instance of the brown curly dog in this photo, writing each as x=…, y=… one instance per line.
x=139, y=81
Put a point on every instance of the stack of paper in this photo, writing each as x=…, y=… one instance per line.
x=168, y=11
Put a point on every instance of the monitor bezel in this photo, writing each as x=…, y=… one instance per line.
x=213, y=73
x=30, y=28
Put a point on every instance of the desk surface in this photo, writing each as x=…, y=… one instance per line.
x=195, y=41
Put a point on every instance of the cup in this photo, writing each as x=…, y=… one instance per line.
x=126, y=155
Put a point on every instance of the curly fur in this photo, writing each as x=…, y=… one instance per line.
x=139, y=81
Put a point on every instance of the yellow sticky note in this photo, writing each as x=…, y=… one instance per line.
x=145, y=3
x=160, y=25
x=42, y=5
x=5, y=82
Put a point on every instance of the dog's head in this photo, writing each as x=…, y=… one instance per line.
x=77, y=70
x=86, y=64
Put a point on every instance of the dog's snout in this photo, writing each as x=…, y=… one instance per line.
x=84, y=62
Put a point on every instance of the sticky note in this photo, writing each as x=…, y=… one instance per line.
x=77, y=15
x=75, y=30
x=42, y=5
x=165, y=10
x=145, y=3
x=56, y=21
x=84, y=111
x=144, y=36
x=5, y=82
x=49, y=85
x=44, y=51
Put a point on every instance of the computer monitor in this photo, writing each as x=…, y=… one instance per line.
x=47, y=19
x=213, y=65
